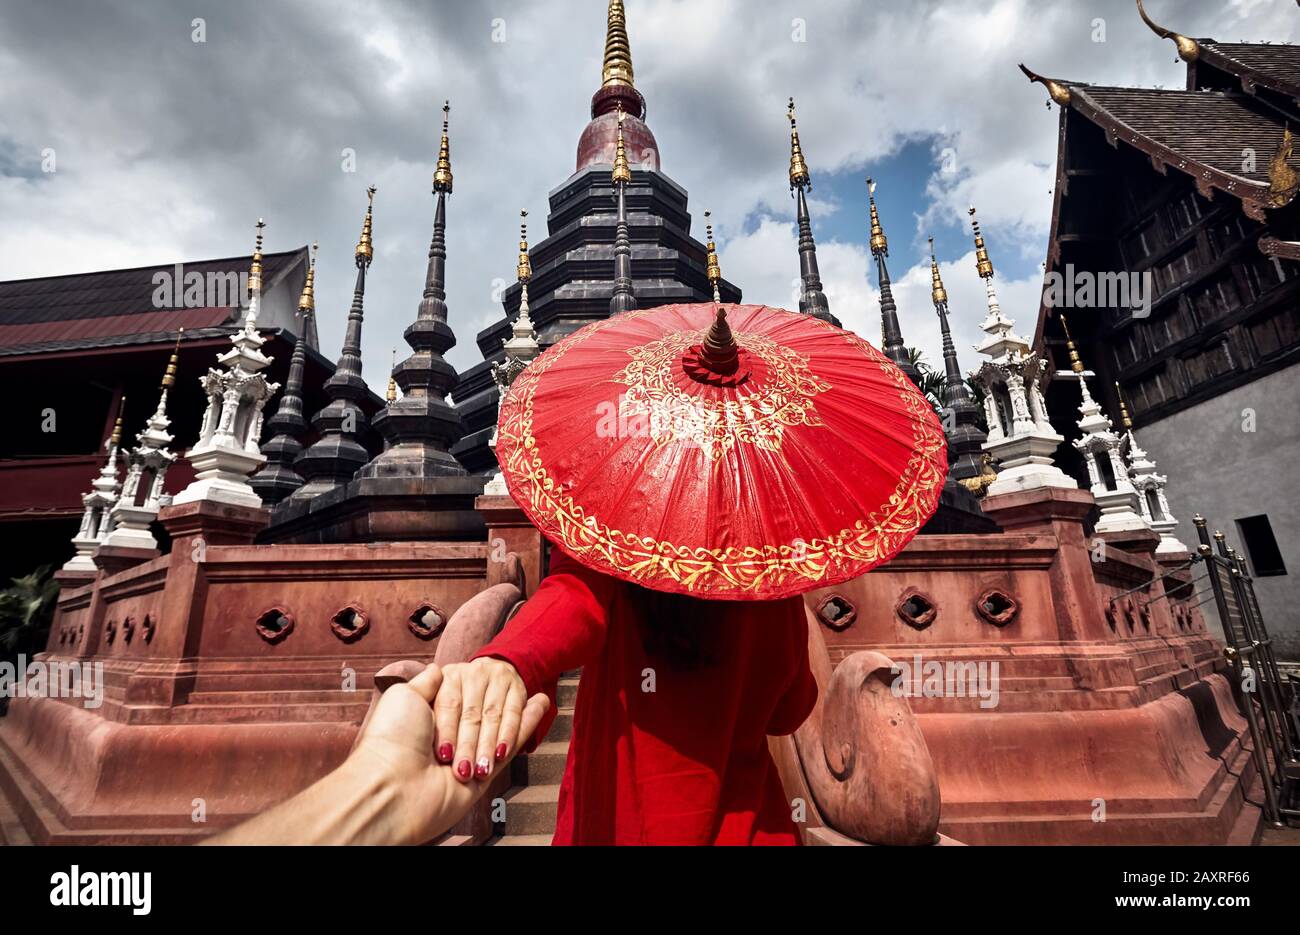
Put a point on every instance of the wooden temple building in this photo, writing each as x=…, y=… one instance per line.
x=97, y=345
x=1193, y=191
x=313, y=536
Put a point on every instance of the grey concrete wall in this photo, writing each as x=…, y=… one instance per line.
x=1220, y=470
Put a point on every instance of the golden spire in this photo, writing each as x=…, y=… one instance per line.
x=712, y=270
x=622, y=172
x=1123, y=408
x=982, y=262
x=1076, y=363
x=365, y=246
x=255, y=271
x=798, y=168
x=938, y=294
x=116, y=437
x=169, y=376
x=1282, y=179
x=524, y=271
x=618, y=54
x=307, y=301
x=442, y=174
x=879, y=244
x=1057, y=91
x=1188, y=50
x=391, y=395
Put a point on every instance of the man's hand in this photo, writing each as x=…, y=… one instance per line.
x=483, y=716
x=399, y=743
x=391, y=789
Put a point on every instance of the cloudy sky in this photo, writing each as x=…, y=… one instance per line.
x=168, y=149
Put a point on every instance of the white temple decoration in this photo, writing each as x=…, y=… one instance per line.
x=1150, y=488
x=1100, y=447
x=227, y=451
x=98, y=504
x=1020, y=437
x=520, y=349
x=142, y=490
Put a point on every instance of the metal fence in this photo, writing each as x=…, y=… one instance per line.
x=1268, y=702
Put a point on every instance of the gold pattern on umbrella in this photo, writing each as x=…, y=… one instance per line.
x=758, y=414
x=731, y=571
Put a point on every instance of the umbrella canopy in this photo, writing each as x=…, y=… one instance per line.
x=752, y=455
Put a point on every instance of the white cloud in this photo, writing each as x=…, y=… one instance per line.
x=169, y=150
x=766, y=261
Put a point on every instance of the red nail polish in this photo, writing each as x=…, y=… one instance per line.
x=445, y=752
x=501, y=751
x=481, y=767
x=463, y=769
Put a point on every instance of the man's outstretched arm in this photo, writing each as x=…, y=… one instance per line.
x=390, y=789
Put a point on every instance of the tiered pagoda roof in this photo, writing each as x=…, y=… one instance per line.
x=574, y=276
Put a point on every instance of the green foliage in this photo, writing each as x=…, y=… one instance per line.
x=26, y=610
x=934, y=381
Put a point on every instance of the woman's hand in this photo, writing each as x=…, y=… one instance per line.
x=480, y=716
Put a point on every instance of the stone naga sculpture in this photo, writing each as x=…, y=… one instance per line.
x=860, y=756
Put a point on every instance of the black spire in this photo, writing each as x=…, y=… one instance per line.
x=812, y=300
x=961, y=421
x=338, y=454
x=421, y=427
x=277, y=478
x=891, y=336
x=623, y=299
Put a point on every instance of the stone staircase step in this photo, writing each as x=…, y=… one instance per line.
x=562, y=729
x=309, y=696
x=566, y=692
x=544, y=765
x=531, y=809
x=251, y=713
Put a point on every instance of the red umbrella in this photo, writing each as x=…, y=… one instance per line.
x=751, y=456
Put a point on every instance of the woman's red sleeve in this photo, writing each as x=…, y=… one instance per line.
x=561, y=627
x=797, y=703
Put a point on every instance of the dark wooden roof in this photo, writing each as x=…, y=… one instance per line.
x=1203, y=128
x=1204, y=134
x=116, y=307
x=1275, y=66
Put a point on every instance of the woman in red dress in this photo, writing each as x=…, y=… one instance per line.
x=676, y=701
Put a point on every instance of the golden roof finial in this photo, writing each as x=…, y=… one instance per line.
x=391, y=395
x=798, y=168
x=712, y=269
x=442, y=174
x=622, y=172
x=617, y=68
x=255, y=270
x=1076, y=362
x=169, y=376
x=983, y=264
x=1188, y=50
x=524, y=271
x=1123, y=408
x=1282, y=178
x=116, y=437
x=1057, y=91
x=938, y=294
x=307, y=301
x=879, y=244
x=365, y=246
